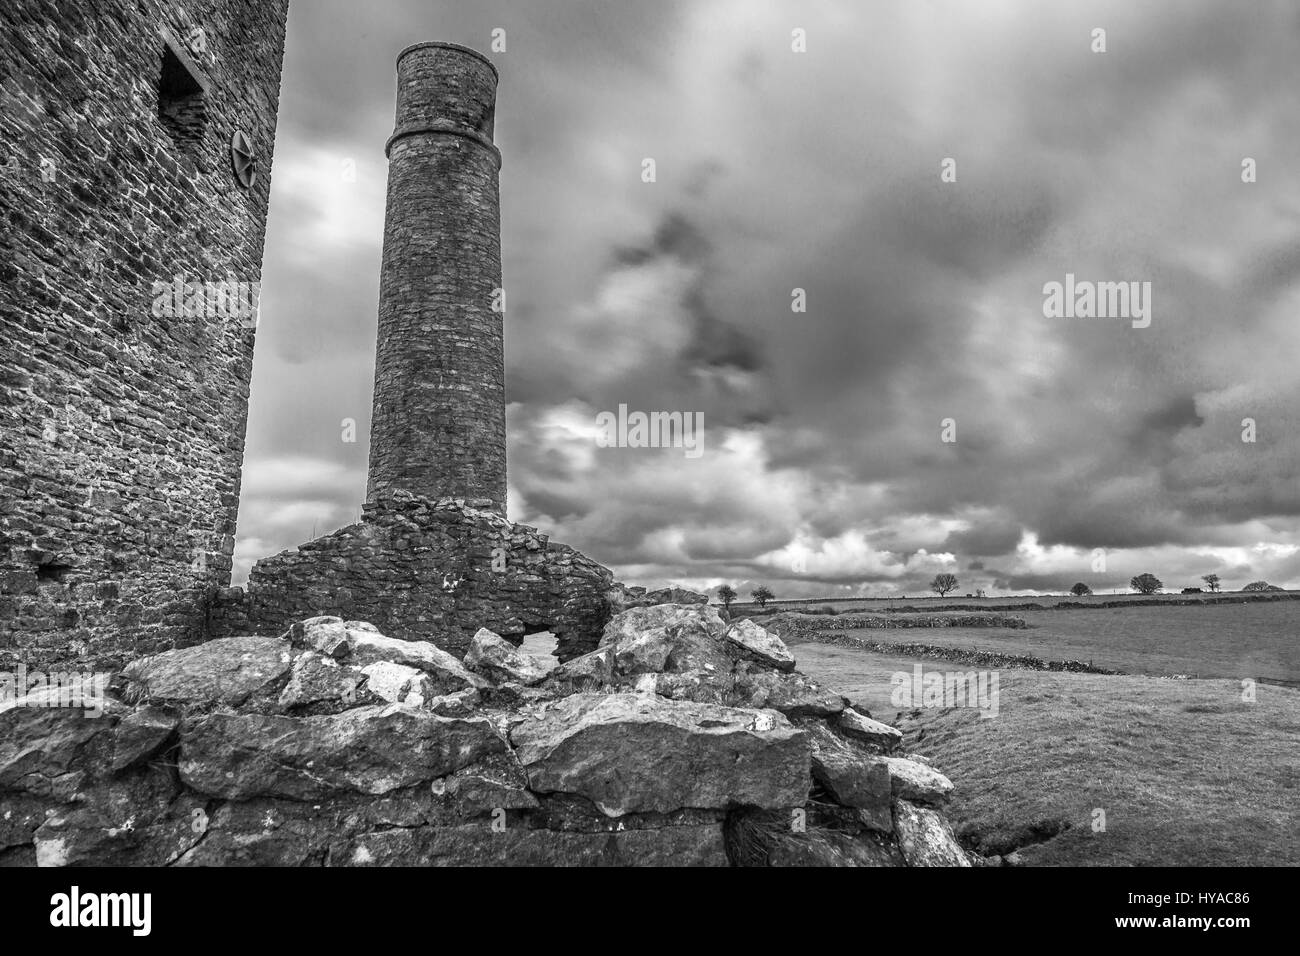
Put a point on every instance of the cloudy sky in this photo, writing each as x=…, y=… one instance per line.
x=825, y=469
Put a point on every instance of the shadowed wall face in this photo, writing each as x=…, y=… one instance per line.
x=439, y=409
x=130, y=255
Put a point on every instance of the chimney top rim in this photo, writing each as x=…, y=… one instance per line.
x=449, y=46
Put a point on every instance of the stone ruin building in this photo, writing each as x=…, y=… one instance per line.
x=433, y=557
x=136, y=140
x=123, y=429
x=363, y=701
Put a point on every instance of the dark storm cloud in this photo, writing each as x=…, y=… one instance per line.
x=1160, y=425
x=820, y=171
x=991, y=538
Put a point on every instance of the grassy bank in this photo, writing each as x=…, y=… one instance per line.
x=1186, y=772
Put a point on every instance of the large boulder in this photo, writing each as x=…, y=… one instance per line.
x=361, y=645
x=20, y=815
x=867, y=730
x=829, y=848
x=760, y=645
x=260, y=832
x=706, y=686
x=227, y=671
x=142, y=733
x=699, y=845
x=852, y=778
x=137, y=820
x=370, y=750
x=589, y=672
x=630, y=753
x=620, y=597
x=819, y=835
x=667, y=638
x=676, y=596
x=925, y=837
x=498, y=660
x=793, y=694
x=397, y=683
x=492, y=784
x=55, y=752
x=318, y=682
x=911, y=780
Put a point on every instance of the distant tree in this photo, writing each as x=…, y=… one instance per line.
x=762, y=595
x=980, y=592
x=943, y=583
x=1080, y=589
x=1191, y=590
x=1211, y=581
x=1146, y=584
x=1261, y=586
x=726, y=594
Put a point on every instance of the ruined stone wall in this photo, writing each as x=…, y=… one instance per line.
x=122, y=430
x=427, y=570
x=438, y=428
x=680, y=741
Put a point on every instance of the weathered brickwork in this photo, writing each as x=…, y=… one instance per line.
x=121, y=429
x=438, y=428
x=428, y=570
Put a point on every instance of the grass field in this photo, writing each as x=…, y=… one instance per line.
x=1186, y=773
x=931, y=602
x=1260, y=641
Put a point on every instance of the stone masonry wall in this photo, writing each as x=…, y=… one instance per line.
x=438, y=428
x=681, y=741
x=427, y=570
x=121, y=430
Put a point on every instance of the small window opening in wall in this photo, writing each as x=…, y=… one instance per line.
x=52, y=571
x=181, y=105
x=541, y=647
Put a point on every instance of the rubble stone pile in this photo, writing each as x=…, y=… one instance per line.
x=680, y=740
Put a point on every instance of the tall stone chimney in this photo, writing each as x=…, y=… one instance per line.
x=439, y=428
